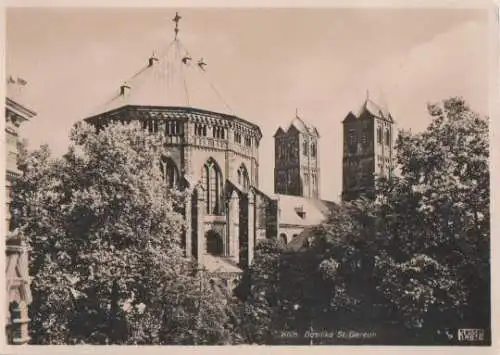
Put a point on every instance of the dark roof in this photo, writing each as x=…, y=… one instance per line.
x=372, y=109
x=300, y=125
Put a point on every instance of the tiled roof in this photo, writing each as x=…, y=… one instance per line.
x=372, y=108
x=16, y=96
x=174, y=79
x=300, y=125
x=315, y=210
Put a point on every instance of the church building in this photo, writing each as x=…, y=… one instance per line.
x=367, y=150
x=210, y=151
x=214, y=154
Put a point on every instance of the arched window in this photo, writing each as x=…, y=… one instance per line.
x=169, y=171
x=379, y=135
x=283, y=239
x=243, y=177
x=212, y=181
x=214, y=243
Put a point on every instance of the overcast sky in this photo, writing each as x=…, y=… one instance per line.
x=266, y=63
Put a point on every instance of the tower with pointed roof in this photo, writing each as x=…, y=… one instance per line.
x=297, y=170
x=367, y=149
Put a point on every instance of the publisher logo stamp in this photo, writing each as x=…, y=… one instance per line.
x=471, y=335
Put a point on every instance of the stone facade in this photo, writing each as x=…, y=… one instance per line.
x=17, y=272
x=367, y=150
x=214, y=156
x=297, y=169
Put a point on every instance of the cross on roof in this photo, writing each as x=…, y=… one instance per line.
x=176, y=19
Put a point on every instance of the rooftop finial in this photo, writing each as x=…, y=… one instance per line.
x=152, y=59
x=176, y=19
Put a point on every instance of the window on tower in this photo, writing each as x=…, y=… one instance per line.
x=379, y=135
x=305, y=148
x=352, y=141
x=387, y=137
x=313, y=149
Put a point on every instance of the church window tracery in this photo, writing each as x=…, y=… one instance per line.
x=212, y=181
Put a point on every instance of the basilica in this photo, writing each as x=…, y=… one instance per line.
x=214, y=154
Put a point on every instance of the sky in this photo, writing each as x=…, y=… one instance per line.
x=266, y=63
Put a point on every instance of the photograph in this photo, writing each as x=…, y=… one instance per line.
x=269, y=176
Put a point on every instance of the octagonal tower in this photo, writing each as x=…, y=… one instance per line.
x=209, y=149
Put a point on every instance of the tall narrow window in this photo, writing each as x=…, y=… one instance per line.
x=313, y=149
x=170, y=172
x=213, y=191
x=379, y=135
x=243, y=177
x=305, y=148
x=212, y=180
x=352, y=141
x=387, y=137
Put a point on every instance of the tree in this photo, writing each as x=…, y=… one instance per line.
x=105, y=233
x=258, y=292
x=439, y=207
x=409, y=265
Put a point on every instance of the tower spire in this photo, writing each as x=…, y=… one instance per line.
x=176, y=19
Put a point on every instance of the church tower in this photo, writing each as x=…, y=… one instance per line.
x=368, y=150
x=296, y=170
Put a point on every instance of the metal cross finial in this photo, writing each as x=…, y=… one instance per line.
x=176, y=19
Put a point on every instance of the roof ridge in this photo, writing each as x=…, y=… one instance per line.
x=171, y=78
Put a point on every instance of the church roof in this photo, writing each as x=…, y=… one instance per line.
x=300, y=125
x=373, y=109
x=174, y=78
x=315, y=211
x=16, y=97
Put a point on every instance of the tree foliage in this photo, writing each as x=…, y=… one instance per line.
x=106, y=234
x=410, y=265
